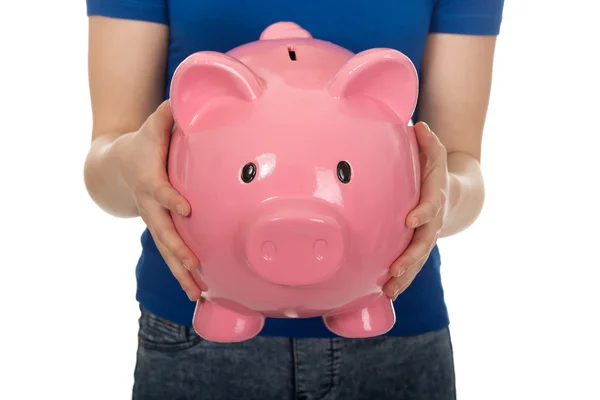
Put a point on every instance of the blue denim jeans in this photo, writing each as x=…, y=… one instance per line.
x=174, y=363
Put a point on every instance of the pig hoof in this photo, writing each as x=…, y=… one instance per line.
x=219, y=324
x=373, y=320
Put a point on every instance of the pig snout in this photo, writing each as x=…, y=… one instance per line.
x=295, y=250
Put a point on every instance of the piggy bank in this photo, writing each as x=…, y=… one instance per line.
x=300, y=163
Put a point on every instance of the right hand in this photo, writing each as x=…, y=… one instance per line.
x=142, y=158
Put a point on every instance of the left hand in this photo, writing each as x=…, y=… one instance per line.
x=427, y=217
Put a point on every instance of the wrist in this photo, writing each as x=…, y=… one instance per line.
x=119, y=156
x=117, y=153
x=465, y=195
x=104, y=177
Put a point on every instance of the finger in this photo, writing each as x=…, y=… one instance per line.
x=425, y=212
x=433, y=181
x=182, y=275
x=417, y=251
x=171, y=199
x=395, y=286
x=161, y=223
x=169, y=236
x=430, y=145
x=433, y=199
x=160, y=123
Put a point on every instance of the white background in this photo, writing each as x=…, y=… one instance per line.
x=522, y=284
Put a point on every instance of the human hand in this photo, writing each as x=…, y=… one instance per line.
x=427, y=217
x=142, y=158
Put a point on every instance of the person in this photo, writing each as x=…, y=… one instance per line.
x=134, y=48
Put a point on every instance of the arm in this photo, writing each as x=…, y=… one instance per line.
x=126, y=77
x=125, y=170
x=457, y=76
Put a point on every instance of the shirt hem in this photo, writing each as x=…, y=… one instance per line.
x=467, y=25
x=306, y=328
x=131, y=11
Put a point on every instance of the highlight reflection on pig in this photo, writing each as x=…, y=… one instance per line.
x=300, y=164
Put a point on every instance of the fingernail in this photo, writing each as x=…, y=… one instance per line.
x=396, y=293
x=186, y=265
x=400, y=272
x=189, y=295
x=415, y=222
x=180, y=210
x=427, y=126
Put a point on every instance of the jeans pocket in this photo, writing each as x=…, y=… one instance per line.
x=156, y=333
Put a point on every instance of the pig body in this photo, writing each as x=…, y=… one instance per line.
x=300, y=165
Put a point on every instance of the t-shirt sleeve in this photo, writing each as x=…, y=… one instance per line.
x=142, y=10
x=469, y=17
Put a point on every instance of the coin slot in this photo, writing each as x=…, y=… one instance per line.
x=292, y=53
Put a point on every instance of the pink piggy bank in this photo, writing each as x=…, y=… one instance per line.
x=300, y=163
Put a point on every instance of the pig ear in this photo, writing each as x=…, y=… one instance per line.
x=206, y=77
x=384, y=75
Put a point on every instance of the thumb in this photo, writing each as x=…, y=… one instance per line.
x=430, y=145
x=160, y=123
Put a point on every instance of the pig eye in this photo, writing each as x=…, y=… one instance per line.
x=344, y=171
x=248, y=172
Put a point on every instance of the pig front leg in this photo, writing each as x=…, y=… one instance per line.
x=219, y=324
x=375, y=319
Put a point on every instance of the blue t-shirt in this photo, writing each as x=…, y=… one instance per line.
x=357, y=25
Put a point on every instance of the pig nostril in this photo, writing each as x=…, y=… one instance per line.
x=269, y=250
x=319, y=248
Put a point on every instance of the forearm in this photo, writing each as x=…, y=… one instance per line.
x=103, y=179
x=455, y=89
x=465, y=193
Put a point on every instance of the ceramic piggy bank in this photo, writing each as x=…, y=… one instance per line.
x=300, y=163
